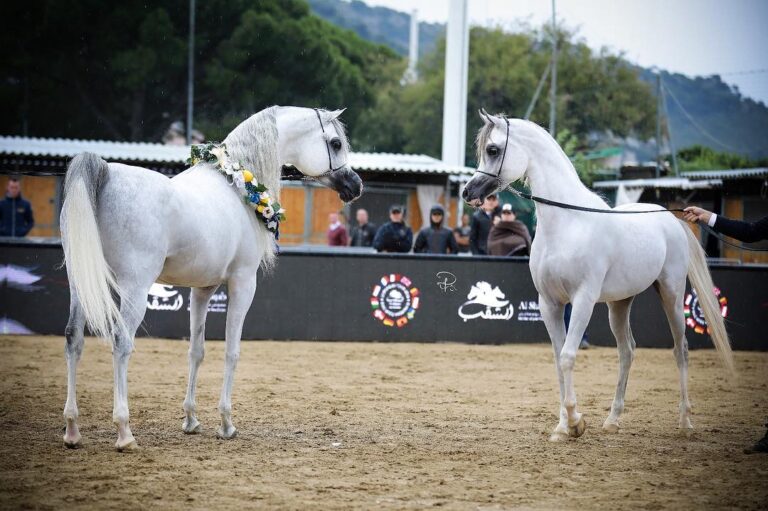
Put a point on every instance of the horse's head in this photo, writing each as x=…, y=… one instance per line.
x=313, y=144
x=502, y=159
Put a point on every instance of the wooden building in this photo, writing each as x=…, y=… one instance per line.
x=416, y=181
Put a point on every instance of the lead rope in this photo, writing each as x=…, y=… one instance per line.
x=563, y=205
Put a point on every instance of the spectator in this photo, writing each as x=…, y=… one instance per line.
x=364, y=232
x=15, y=213
x=435, y=239
x=481, y=225
x=337, y=233
x=394, y=236
x=461, y=234
x=742, y=231
x=509, y=236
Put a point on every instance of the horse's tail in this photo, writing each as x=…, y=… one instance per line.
x=92, y=278
x=701, y=281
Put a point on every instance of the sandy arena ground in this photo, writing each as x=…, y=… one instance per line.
x=392, y=426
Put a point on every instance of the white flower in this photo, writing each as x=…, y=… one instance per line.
x=221, y=155
x=239, y=181
x=281, y=212
x=271, y=224
x=236, y=165
x=268, y=212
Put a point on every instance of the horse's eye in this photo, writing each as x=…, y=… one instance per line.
x=492, y=150
x=336, y=144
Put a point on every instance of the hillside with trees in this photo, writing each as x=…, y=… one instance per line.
x=705, y=110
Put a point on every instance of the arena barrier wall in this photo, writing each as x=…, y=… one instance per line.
x=342, y=296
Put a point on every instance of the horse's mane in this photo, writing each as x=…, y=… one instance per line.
x=253, y=143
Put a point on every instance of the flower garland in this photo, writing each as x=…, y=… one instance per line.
x=254, y=194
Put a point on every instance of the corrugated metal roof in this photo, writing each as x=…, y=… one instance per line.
x=149, y=152
x=726, y=174
x=679, y=183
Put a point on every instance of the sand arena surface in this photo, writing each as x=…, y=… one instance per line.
x=379, y=426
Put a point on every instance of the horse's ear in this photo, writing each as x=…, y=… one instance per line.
x=483, y=114
x=336, y=113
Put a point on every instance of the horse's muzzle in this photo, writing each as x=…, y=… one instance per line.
x=346, y=182
x=478, y=188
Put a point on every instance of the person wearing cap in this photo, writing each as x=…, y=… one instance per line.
x=435, y=239
x=394, y=236
x=509, y=236
x=481, y=225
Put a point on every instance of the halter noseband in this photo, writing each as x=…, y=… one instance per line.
x=327, y=147
x=503, y=154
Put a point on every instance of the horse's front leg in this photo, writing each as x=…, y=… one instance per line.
x=133, y=305
x=552, y=313
x=241, y=289
x=198, y=311
x=580, y=315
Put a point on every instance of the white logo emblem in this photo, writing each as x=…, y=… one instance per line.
x=164, y=298
x=486, y=302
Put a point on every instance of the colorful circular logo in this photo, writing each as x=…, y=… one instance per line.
x=394, y=300
x=694, y=317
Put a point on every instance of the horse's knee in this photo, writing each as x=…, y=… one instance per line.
x=567, y=360
x=232, y=357
x=196, y=355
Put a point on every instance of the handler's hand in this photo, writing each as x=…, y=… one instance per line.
x=694, y=214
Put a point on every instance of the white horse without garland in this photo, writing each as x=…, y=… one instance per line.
x=124, y=228
x=585, y=258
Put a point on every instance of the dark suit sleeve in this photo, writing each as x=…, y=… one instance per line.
x=474, y=225
x=743, y=231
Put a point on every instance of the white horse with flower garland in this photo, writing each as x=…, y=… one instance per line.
x=124, y=228
x=586, y=257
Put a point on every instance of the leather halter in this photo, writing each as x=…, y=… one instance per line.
x=503, y=154
x=328, y=147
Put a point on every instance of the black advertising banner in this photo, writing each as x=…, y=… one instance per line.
x=367, y=297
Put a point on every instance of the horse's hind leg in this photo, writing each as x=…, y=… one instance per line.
x=241, y=288
x=132, y=308
x=672, y=300
x=198, y=312
x=73, y=349
x=618, y=316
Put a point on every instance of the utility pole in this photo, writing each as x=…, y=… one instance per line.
x=658, y=123
x=553, y=87
x=455, y=87
x=191, y=76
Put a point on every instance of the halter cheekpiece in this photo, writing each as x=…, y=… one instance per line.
x=327, y=146
x=503, y=154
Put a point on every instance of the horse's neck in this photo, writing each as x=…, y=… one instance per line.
x=253, y=143
x=552, y=176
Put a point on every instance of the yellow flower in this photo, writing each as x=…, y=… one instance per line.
x=247, y=176
x=260, y=208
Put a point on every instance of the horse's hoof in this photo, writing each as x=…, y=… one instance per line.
x=129, y=445
x=610, y=427
x=686, y=432
x=72, y=442
x=577, y=430
x=191, y=428
x=227, y=434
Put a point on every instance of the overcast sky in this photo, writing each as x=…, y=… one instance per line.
x=694, y=37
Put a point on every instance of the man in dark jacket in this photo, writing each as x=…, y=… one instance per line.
x=364, y=232
x=15, y=213
x=509, y=236
x=742, y=231
x=481, y=225
x=394, y=236
x=435, y=239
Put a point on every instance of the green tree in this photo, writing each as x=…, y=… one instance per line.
x=596, y=92
x=97, y=69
